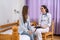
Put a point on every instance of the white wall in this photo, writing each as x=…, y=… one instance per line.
x=7, y=9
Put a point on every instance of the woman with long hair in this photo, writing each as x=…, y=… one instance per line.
x=26, y=22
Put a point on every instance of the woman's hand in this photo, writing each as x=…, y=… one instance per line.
x=31, y=24
x=38, y=25
x=30, y=32
x=45, y=26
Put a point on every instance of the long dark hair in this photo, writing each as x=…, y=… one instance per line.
x=24, y=13
x=45, y=7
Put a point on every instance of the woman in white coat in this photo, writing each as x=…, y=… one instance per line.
x=44, y=22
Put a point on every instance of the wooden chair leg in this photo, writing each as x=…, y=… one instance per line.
x=52, y=37
x=44, y=38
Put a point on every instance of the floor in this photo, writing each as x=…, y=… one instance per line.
x=55, y=38
x=8, y=37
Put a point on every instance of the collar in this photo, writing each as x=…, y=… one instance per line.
x=44, y=14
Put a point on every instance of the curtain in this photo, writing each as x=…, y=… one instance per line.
x=54, y=9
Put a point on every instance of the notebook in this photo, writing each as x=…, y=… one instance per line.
x=38, y=27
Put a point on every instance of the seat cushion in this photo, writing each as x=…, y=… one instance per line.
x=24, y=37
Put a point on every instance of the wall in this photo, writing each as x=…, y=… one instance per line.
x=7, y=9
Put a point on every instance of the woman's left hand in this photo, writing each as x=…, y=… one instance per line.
x=45, y=26
x=30, y=32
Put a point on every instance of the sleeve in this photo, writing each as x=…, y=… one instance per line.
x=29, y=26
x=49, y=20
x=22, y=26
x=39, y=19
x=28, y=21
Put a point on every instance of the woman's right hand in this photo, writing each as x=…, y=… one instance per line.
x=45, y=26
x=30, y=32
x=38, y=25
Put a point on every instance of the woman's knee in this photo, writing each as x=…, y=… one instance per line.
x=38, y=31
x=24, y=37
